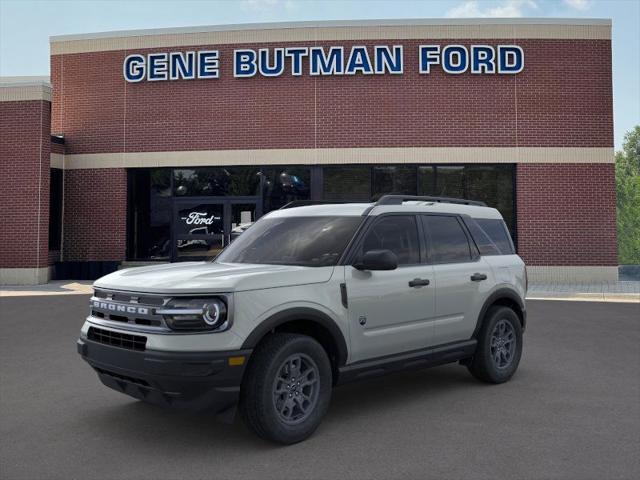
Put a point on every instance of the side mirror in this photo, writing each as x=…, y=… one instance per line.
x=377, y=260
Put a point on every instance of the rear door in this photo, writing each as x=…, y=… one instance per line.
x=389, y=312
x=461, y=277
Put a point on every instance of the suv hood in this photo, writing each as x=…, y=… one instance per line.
x=207, y=277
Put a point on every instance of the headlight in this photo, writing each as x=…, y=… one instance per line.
x=196, y=314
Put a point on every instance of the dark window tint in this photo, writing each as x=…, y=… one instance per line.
x=55, y=209
x=449, y=243
x=486, y=246
x=282, y=185
x=498, y=233
x=347, y=184
x=397, y=233
x=306, y=241
x=398, y=179
x=216, y=181
x=426, y=180
x=492, y=184
x=149, y=214
x=450, y=181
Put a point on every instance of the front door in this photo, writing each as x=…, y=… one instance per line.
x=202, y=227
x=391, y=311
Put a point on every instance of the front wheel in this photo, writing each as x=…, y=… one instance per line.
x=287, y=388
x=499, y=346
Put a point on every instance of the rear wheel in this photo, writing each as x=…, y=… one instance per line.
x=287, y=388
x=499, y=346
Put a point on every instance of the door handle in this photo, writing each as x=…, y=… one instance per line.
x=418, y=282
x=477, y=277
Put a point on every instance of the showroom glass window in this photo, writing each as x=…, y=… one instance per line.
x=281, y=185
x=216, y=181
x=149, y=214
x=350, y=183
x=152, y=191
x=55, y=209
x=394, y=179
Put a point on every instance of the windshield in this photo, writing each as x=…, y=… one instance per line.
x=305, y=241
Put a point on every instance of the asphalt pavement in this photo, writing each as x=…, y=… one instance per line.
x=571, y=411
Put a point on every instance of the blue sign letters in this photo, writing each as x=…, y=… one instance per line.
x=324, y=61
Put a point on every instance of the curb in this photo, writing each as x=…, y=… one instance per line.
x=587, y=297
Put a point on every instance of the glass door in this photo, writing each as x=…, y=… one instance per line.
x=203, y=227
x=198, y=230
x=242, y=215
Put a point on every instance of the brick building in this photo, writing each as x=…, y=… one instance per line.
x=151, y=146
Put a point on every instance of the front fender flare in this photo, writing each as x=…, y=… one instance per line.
x=300, y=313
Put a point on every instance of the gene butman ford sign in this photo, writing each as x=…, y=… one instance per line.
x=328, y=61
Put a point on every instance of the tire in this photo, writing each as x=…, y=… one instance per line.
x=271, y=404
x=496, y=358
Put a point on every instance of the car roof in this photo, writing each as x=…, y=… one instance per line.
x=358, y=209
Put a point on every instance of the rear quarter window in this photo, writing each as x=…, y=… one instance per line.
x=491, y=230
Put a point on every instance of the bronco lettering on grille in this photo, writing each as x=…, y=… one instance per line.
x=115, y=307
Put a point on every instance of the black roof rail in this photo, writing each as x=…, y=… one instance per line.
x=399, y=199
x=306, y=203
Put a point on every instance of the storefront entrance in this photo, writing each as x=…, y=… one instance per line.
x=202, y=227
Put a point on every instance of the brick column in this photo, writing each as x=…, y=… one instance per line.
x=567, y=221
x=25, y=119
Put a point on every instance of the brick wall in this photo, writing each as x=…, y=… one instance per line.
x=566, y=214
x=95, y=213
x=57, y=148
x=562, y=98
x=24, y=196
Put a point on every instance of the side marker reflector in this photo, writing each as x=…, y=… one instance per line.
x=236, y=361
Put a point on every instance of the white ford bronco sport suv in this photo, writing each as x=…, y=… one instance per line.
x=308, y=298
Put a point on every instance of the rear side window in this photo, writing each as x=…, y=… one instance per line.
x=398, y=233
x=449, y=243
x=497, y=231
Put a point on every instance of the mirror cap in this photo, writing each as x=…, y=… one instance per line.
x=377, y=260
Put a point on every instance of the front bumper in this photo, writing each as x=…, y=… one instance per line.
x=184, y=380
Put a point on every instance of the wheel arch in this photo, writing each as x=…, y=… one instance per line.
x=307, y=321
x=505, y=297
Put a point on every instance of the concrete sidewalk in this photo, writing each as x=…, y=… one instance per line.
x=55, y=287
x=628, y=292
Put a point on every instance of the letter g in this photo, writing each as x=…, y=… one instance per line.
x=133, y=68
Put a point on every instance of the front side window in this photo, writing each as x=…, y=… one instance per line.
x=397, y=233
x=449, y=243
x=304, y=241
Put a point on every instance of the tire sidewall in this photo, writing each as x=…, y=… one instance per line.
x=495, y=374
x=295, y=433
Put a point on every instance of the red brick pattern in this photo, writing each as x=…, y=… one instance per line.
x=566, y=214
x=562, y=98
x=57, y=148
x=24, y=196
x=95, y=213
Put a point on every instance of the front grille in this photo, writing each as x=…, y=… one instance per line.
x=117, y=339
x=129, y=308
x=123, y=319
x=130, y=297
